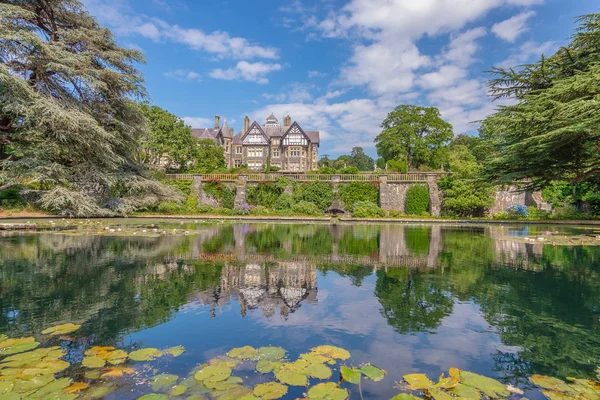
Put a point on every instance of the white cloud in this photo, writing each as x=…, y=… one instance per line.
x=445, y=76
x=254, y=72
x=513, y=27
x=183, y=75
x=316, y=74
x=528, y=51
x=463, y=46
x=198, y=122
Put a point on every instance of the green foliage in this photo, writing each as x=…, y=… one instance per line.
x=367, y=209
x=351, y=193
x=417, y=199
x=415, y=134
x=381, y=163
x=260, y=210
x=11, y=198
x=306, y=208
x=207, y=157
x=264, y=194
x=284, y=202
x=397, y=166
x=318, y=193
x=221, y=192
x=349, y=171
x=362, y=161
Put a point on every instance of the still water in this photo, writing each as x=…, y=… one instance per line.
x=406, y=298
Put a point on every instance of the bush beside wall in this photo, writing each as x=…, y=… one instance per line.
x=351, y=193
x=417, y=200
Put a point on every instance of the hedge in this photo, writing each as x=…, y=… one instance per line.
x=351, y=193
x=417, y=200
x=318, y=193
x=221, y=192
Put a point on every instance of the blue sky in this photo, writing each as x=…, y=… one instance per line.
x=338, y=66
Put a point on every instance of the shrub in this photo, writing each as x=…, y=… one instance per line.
x=318, y=193
x=395, y=214
x=191, y=204
x=349, y=171
x=397, y=166
x=367, y=209
x=170, y=207
x=264, y=194
x=417, y=199
x=259, y=210
x=244, y=210
x=353, y=192
x=284, y=202
x=306, y=208
x=184, y=187
x=11, y=198
x=517, y=211
x=221, y=192
x=535, y=213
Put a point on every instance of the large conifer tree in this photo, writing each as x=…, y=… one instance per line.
x=68, y=119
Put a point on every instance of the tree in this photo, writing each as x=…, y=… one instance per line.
x=68, y=115
x=552, y=132
x=415, y=134
x=325, y=161
x=207, y=156
x=362, y=161
x=167, y=135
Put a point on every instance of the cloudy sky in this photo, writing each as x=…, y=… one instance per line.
x=338, y=66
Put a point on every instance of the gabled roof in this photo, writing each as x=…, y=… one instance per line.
x=272, y=117
x=255, y=125
x=237, y=139
x=205, y=133
x=314, y=136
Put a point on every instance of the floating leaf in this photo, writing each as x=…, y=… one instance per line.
x=318, y=371
x=438, y=394
x=93, y=362
x=19, y=345
x=417, y=381
x=234, y=393
x=99, y=392
x=465, y=392
x=178, y=390
x=26, y=384
x=351, y=375
x=404, y=396
x=163, y=381
x=550, y=383
x=6, y=386
x=224, y=361
x=332, y=351
x=271, y=353
x=93, y=374
x=249, y=397
x=266, y=366
x=229, y=383
x=61, y=329
x=328, y=391
x=49, y=367
x=490, y=387
x=243, y=353
x=447, y=383
x=291, y=378
x=270, y=390
x=213, y=373
x=115, y=372
x=32, y=357
x=315, y=358
x=154, y=396
x=76, y=387
x=52, y=389
x=373, y=373
x=175, y=351
x=147, y=354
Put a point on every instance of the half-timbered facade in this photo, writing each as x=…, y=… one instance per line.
x=287, y=147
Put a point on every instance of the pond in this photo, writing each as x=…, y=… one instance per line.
x=405, y=298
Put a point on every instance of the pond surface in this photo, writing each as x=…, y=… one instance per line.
x=406, y=298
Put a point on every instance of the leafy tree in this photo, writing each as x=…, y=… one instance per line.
x=553, y=130
x=207, y=156
x=325, y=161
x=361, y=160
x=68, y=117
x=381, y=163
x=397, y=166
x=167, y=136
x=415, y=134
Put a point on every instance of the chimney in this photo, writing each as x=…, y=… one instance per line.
x=287, y=121
x=217, y=122
x=231, y=132
x=246, y=124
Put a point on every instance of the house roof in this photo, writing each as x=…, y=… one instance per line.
x=205, y=133
x=314, y=136
x=225, y=130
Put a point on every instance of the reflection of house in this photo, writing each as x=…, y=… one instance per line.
x=288, y=147
x=268, y=288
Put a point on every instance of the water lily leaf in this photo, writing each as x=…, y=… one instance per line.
x=154, y=396
x=33, y=356
x=249, y=397
x=438, y=394
x=583, y=385
x=61, y=329
x=76, y=387
x=315, y=358
x=556, y=395
x=270, y=390
x=351, y=375
x=93, y=362
x=328, y=390
x=6, y=386
x=447, y=383
x=116, y=372
x=332, y=351
x=213, y=373
x=550, y=383
x=296, y=366
x=266, y=366
x=291, y=378
x=224, y=361
x=53, y=388
x=163, y=382
x=227, y=384
x=49, y=367
x=404, y=396
x=99, y=392
x=175, y=351
x=243, y=353
x=178, y=390
x=488, y=386
x=454, y=372
x=373, y=373
x=465, y=392
x=271, y=353
x=93, y=374
x=318, y=371
x=147, y=354
x=26, y=384
x=234, y=393
x=116, y=357
x=19, y=345
x=417, y=381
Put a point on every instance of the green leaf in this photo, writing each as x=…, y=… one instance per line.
x=243, y=353
x=291, y=378
x=550, y=383
x=154, y=396
x=404, y=396
x=266, y=366
x=271, y=353
x=490, y=387
x=177, y=390
x=270, y=390
x=332, y=351
x=417, y=381
x=174, y=351
x=213, y=373
x=19, y=345
x=318, y=371
x=61, y=329
x=99, y=392
x=438, y=394
x=52, y=387
x=147, y=354
x=465, y=392
x=373, y=373
x=328, y=391
x=6, y=386
x=163, y=381
x=93, y=362
x=351, y=375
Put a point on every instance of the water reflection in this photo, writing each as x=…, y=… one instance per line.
x=495, y=303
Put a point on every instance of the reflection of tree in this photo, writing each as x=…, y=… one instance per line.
x=360, y=240
x=417, y=240
x=411, y=301
x=356, y=273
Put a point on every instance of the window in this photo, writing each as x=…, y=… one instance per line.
x=275, y=141
x=255, y=139
x=238, y=149
x=295, y=138
x=255, y=165
x=295, y=151
x=227, y=148
x=255, y=151
x=293, y=166
x=237, y=163
x=275, y=153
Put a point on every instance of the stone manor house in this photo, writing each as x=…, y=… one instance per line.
x=288, y=147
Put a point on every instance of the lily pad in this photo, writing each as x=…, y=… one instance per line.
x=19, y=345
x=417, y=381
x=328, y=391
x=61, y=329
x=76, y=387
x=465, y=392
x=291, y=378
x=178, y=390
x=404, y=396
x=213, y=373
x=373, y=373
x=488, y=386
x=266, y=366
x=93, y=362
x=551, y=383
x=52, y=388
x=32, y=357
x=244, y=353
x=318, y=371
x=332, y=351
x=48, y=367
x=315, y=358
x=270, y=390
x=147, y=354
x=6, y=386
x=234, y=393
x=116, y=372
x=163, y=382
x=99, y=392
x=351, y=375
x=154, y=396
x=224, y=361
x=271, y=353
x=175, y=351
x=438, y=394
